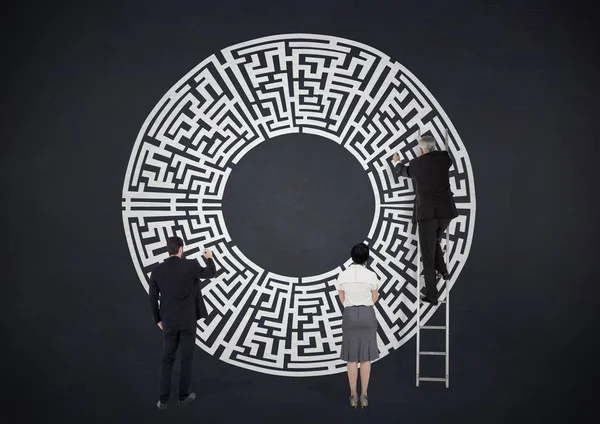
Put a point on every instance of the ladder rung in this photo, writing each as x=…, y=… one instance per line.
x=433, y=353
x=433, y=327
x=431, y=379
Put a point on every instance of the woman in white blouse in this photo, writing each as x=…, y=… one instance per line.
x=358, y=290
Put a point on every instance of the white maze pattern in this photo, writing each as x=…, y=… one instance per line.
x=258, y=90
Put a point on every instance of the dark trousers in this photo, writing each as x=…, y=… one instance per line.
x=184, y=337
x=430, y=233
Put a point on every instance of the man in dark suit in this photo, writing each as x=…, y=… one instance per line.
x=176, y=281
x=434, y=207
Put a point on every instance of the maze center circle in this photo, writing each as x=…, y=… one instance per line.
x=297, y=203
x=195, y=137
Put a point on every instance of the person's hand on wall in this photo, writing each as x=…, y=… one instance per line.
x=208, y=254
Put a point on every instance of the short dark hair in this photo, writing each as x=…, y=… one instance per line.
x=360, y=253
x=174, y=244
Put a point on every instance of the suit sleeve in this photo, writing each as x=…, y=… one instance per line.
x=209, y=272
x=401, y=170
x=153, y=294
x=197, y=298
x=450, y=160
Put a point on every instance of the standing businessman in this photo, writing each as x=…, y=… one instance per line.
x=434, y=207
x=176, y=283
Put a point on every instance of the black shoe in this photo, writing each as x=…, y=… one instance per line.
x=429, y=300
x=438, y=275
x=189, y=399
x=161, y=405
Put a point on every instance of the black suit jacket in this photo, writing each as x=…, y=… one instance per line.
x=176, y=282
x=201, y=311
x=430, y=173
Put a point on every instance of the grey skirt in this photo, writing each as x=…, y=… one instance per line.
x=359, y=334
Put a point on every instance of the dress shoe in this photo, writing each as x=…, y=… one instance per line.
x=429, y=300
x=189, y=399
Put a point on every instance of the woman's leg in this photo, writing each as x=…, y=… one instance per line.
x=352, y=376
x=365, y=372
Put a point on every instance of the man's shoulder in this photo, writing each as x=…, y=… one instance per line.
x=158, y=267
x=191, y=262
x=183, y=263
x=437, y=156
x=418, y=160
x=175, y=262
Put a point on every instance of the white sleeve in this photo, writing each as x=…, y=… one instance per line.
x=375, y=282
x=339, y=281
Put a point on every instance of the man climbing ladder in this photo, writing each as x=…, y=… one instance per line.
x=433, y=210
x=434, y=207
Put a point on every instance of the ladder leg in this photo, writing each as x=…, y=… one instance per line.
x=418, y=309
x=447, y=292
x=447, y=336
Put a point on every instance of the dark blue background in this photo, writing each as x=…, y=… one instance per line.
x=295, y=205
x=518, y=80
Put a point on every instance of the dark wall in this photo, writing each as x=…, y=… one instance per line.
x=519, y=82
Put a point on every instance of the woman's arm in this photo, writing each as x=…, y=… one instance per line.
x=342, y=296
x=375, y=286
x=375, y=295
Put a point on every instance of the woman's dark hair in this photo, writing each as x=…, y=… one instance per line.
x=360, y=253
x=173, y=245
